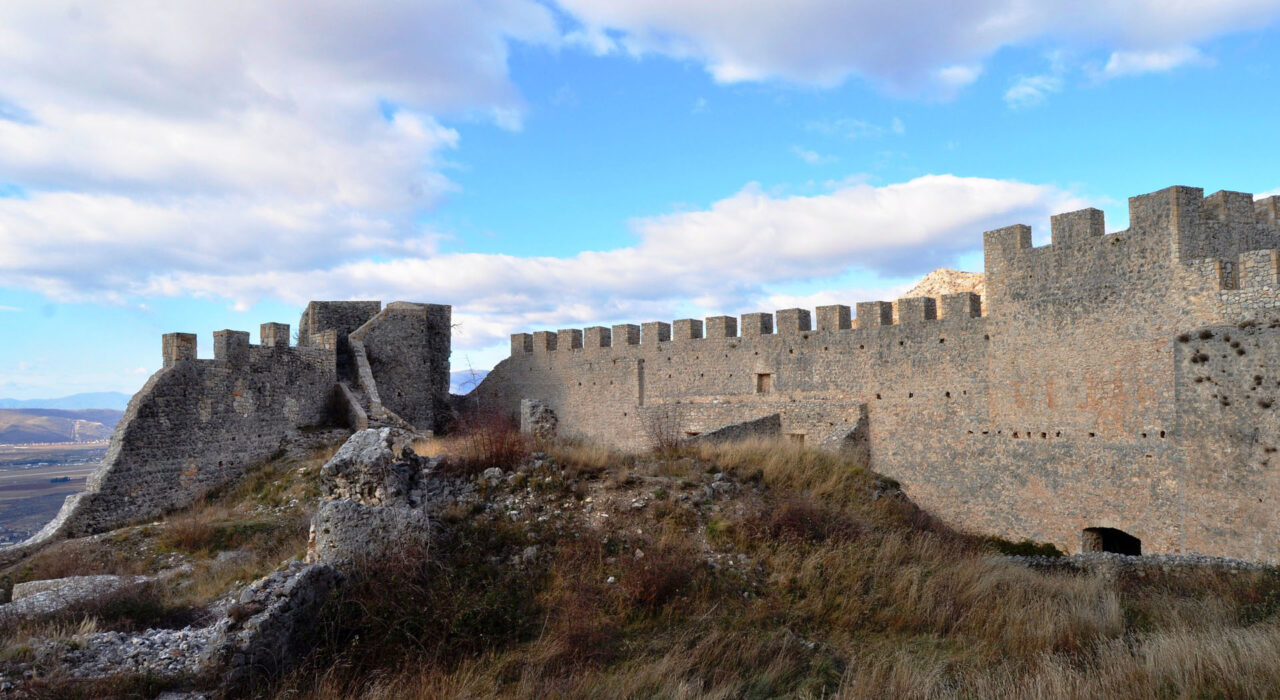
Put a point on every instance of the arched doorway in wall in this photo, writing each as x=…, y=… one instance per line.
x=1109, y=539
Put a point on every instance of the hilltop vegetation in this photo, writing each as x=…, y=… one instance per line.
x=762, y=570
x=749, y=570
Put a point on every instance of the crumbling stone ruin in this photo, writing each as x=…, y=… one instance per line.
x=198, y=423
x=1109, y=391
x=375, y=497
x=1117, y=391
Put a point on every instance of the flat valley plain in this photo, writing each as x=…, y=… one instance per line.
x=32, y=486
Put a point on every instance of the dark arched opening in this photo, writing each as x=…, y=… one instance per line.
x=1109, y=539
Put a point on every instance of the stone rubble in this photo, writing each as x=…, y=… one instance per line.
x=1110, y=562
x=374, y=492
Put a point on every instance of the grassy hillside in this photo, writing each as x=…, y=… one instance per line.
x=30, y=425
x=762, y=570
x=754, y=570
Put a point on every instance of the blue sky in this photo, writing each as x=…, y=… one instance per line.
x=197, y=166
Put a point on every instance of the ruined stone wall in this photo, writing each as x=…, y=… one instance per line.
x=341, y=317
x=914, y=378
x=1057, y=410
x=198, y=423
x=404, y=350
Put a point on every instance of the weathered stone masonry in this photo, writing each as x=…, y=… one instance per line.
x=197, y=424
x=1099, y=388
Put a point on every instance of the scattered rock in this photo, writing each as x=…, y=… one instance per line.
x=251, y=644
x=537, y=419
x=37, y=598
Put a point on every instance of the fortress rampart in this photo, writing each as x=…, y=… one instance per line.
x=198, y=423
x=1068, y=403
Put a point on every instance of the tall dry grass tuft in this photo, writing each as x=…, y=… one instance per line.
x=1232, y=663
x=482, y=440
x=585, y=458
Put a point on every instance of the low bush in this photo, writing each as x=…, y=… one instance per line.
x=1025, y=548
x=482, y=440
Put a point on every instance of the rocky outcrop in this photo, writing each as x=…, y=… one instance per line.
x=944, y=280
x=374, y=490
x=537, y=419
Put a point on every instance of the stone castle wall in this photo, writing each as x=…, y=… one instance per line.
x=198, y=424
x=1058, y=407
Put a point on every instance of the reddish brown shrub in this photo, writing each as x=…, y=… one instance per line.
x=656, y=578
x=485, y=439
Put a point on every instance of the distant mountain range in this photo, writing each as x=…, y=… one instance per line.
x=102, y=399
x=460, y=382
x=24, y=426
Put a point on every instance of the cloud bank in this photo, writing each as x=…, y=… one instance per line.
x=244, y=150
x=719, y=258
x=925, y=44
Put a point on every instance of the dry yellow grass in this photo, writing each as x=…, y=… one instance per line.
x=840, y=588
x=849, y=594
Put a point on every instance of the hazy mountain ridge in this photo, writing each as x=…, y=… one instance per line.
x=462, y=381
x=113, y=400
x=22, y=426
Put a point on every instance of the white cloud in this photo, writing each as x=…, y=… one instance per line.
x=721, y=258
x=236, y=135
x=812, y=157
x=9, y=308
x=931, y=44
x=1124, y=63
x=845, y=127
x=1033, y=90
x=957, y=77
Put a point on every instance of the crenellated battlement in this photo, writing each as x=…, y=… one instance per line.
x=233, y=349
x=783, y=322
x=1226, y=239
x=1221, y=225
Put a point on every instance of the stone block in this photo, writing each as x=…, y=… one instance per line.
x=568, y=339
x=1075, y=226
x=178, y=347
x=274, y=335
x=722, y=327
x=917, y=310
x=596, y=337
x=757, y=324
x=626, y=334
x=961, y=305
x=794, y=321
x=231, y=347
x=835, y=317
x=544, y=341
x=655, y=332
x=874, y=313
x=687, y=329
